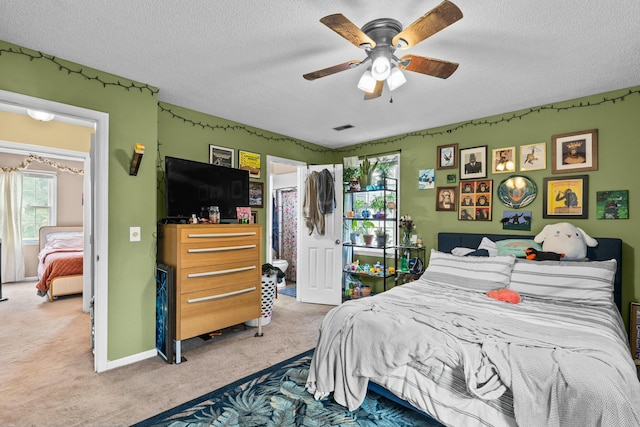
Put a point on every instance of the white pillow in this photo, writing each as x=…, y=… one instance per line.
x=475, y=273
x=588, y=282
x=489, y=245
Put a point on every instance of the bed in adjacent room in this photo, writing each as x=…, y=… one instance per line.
x=558, y=357
x=60, y=261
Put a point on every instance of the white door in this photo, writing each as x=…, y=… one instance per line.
x=319, y=276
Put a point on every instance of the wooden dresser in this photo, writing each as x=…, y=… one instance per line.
x=218, y=275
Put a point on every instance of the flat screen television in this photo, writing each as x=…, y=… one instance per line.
x=192, y=186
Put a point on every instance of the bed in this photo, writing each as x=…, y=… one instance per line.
x=440, y=345
x=60, y=261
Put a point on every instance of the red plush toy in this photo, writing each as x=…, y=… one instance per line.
x=505, y=294
x=534, y=254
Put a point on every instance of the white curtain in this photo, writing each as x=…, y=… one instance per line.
x=10, y=229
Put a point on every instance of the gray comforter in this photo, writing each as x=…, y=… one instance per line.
x=565, y=364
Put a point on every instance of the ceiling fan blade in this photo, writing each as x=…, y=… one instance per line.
x=332, y=70
x=347, y=29
x=438, y=18
x=377, y=91
x=429, y=66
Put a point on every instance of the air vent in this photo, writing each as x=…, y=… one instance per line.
x=343, y=127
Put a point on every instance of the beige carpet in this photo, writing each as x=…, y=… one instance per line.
x=46, y=367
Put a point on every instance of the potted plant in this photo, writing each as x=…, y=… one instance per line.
x=366, y=170
x=355, y=230
x=368, y=228
x=381, y=237
x=358, y=206
x=378, y=204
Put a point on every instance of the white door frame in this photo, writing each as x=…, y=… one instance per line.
x=267, y=200
x=97, y=233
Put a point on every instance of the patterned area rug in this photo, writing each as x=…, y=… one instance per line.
x=276, y=396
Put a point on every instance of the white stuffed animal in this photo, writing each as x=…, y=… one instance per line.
x=565, y=238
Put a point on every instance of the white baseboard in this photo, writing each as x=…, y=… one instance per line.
x=112, y=364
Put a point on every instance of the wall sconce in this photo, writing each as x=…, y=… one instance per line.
x=138, y=151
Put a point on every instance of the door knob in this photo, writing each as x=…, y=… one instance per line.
x=337, y=241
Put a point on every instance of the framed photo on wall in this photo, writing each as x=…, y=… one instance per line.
x=221, y=156
x=473, y=162
x=533, y=157
x=476, y=200
x=249, y=162
x=503, y=160
x=448, y=156
x=447, y=199
x=566, y=197
x=575, y=152
x=256, y=196
x=612, y=204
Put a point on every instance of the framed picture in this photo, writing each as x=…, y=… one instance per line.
x=533, y=157
x=221, y=156
x=504, y=160
x=426, y=179
x=244, y=214
x=473, y=162
x=448, y=156
x=447, y=199
x=254, y=217
x=575, y=152
x=612, y=204
x=516, y=220
x=476, y=200
x=249, y=162
x=451, y=178
x=256, y=190
x=566, y=197
x=634, y=332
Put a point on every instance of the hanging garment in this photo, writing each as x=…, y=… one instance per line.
x=326, y=192
x=310, y=210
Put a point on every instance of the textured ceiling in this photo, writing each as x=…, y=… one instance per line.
x=244, y=60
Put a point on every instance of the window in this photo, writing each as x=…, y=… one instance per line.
x=389, y=166
x=38, y=203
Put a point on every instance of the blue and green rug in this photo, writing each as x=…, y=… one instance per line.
x=276, y=396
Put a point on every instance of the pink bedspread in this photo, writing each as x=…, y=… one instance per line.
x=58, y=264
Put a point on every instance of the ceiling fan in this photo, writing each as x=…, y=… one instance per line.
x=381, y=37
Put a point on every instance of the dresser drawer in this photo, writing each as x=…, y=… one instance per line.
x=212, y=277
x=207, y=311
x=206, y=253
x=222, y=235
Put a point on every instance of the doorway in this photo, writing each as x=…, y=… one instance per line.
x=95, y=211
x=283, y=203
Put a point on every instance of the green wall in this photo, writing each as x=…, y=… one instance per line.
x=187, y=134
x=136, y=116
x=132, y=199
x=618, y=127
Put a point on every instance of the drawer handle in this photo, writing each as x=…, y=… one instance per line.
x=228, y=294
x=251, y=233
x=219, y=272
x=226, y=248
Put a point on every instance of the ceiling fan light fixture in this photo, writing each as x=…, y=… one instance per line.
x=42, y=116
x=381, y=66
x=367, y=83
x=396, y=79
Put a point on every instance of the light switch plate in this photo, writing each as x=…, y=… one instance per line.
x=134, y=234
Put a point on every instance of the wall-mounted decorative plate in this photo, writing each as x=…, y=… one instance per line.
x=517, y=191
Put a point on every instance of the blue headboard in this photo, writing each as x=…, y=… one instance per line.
x=608, y=248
